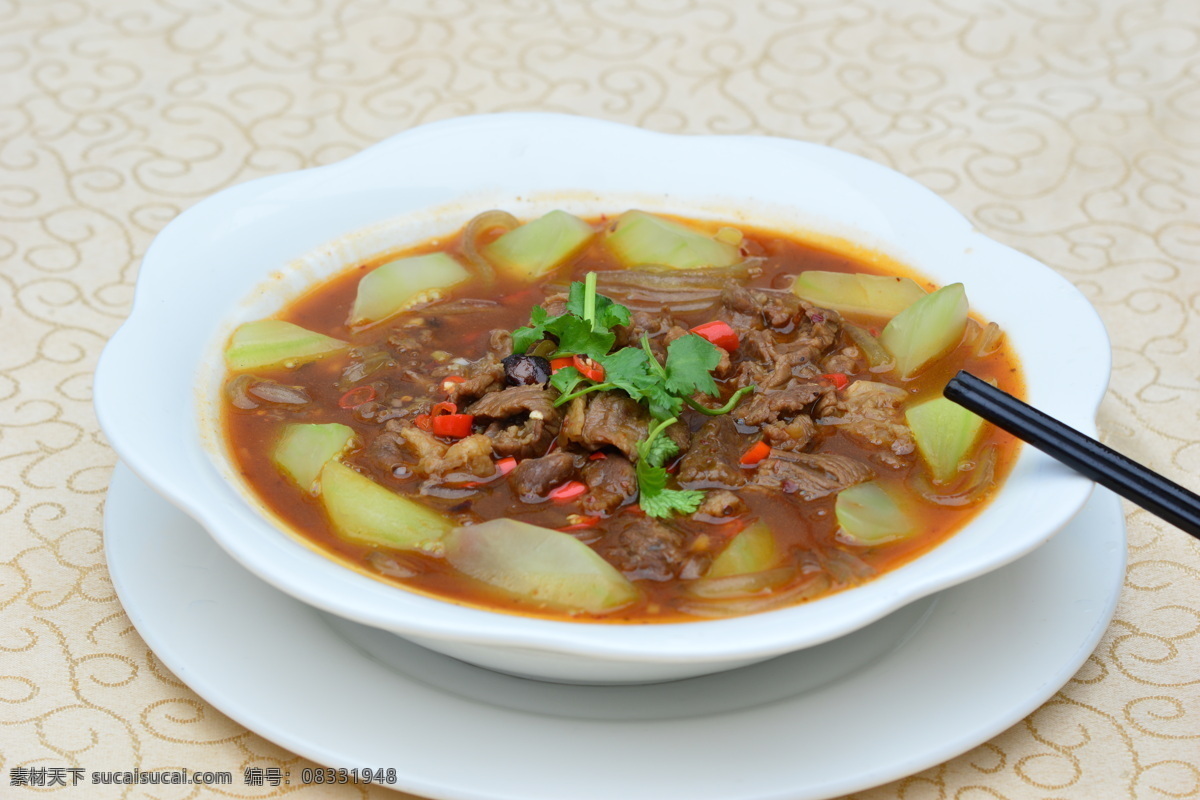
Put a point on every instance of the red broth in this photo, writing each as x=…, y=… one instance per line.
x=805, y=530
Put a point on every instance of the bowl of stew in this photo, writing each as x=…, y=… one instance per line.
x=583, y=402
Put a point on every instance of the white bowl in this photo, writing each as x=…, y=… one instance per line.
x=244, y=252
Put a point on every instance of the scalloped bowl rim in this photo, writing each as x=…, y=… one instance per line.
x=266, y=239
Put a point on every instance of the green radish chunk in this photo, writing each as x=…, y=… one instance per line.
x=303, y=449
x=403, y=283
x=543, y=566
x=365, y=512
x=640, y=238
x=273, y=342
x=869, y=515
x=857, y=293
x=539, y=247
x=945, y=433
x=926, y=330
x=751, y=550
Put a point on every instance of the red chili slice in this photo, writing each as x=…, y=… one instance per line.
x=755, y=454
x=561, y=363
x=455, y=426
x=589, y=369
x=719, y=333
x=839, y=379
x=357, y=396
x=440, y=409
x=568, y=491
x=422, y=421
x=582, y=523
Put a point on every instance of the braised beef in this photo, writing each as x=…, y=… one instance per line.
x=533, y=478
x=616, y=419
x=643, y=548
x=713, y=459
x=811, y=475
x=525, y=420
x=773, y=404
x=517, y=400
x=871, y=413
x=611, y=481
x=794, y=434
x=761, y=307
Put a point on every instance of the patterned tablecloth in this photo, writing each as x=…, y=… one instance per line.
x=1069, y=130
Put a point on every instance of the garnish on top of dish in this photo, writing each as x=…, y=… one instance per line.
x=631, y=419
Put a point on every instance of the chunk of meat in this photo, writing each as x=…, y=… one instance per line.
x=616, y=419
x=526, y=420
x=643, y=548
x=713, y=460
x=533, y=478
x=426, y=446
x=793, y=435
x=612, y=482
x=871, y=413
x=386, y=451
x=720, y=505
x=771, y=364
x=654, y=325
x=847, y=361
x=466, y=459
x=811, y=475
x=555, y=304
x=479, y=378
x=517, y=400
x=759, y=307
x=773, y=404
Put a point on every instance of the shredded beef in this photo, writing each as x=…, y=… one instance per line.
x=468, y=458
x=643, y=548
x=613, y=483
x=480, y=377
x=713, y=459
x=773, y=404
x=871, y=413
x=811, y=475
x=847, y=361
x=775, y=309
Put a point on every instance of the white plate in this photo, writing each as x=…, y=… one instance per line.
x=924, y=684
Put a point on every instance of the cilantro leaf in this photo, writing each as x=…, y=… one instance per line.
x=626, y=369
x=610, y=313
x=654, y=496
x=576, y=336
x=669, y=501
x=524, y=338
x=566, y=379
x=690, y=361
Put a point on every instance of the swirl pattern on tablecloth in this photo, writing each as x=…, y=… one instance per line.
x=1069, y=130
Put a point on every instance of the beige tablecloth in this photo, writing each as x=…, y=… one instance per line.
x=1069, y=130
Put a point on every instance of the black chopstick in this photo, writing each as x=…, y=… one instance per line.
x=1105, y=466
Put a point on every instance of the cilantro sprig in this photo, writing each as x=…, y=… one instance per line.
x=656, y=499
x=585, y=328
